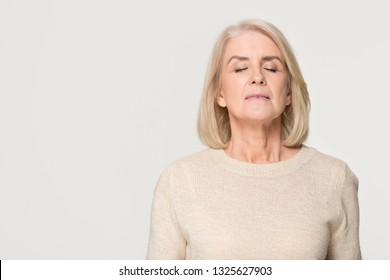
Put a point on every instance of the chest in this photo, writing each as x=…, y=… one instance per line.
x=256, y=219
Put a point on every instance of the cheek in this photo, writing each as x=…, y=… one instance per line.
x=232, y=85
x=281, y=93
x=281, y=86
x=225, y=89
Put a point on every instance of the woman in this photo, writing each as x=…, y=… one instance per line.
x=257, y=192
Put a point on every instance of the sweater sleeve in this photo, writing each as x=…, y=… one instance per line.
x=344, y=238
x=166, y=240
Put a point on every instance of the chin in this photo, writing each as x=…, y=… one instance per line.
x=260, y=116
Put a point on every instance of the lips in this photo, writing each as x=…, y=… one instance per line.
x=257, y=96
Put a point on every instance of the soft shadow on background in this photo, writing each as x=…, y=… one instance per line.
x=98, y=97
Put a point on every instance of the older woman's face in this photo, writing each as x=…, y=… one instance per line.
x=254, y=81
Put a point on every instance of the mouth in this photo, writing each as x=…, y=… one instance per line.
x=257, y=96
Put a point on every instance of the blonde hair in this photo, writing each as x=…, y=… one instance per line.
x=213, y=120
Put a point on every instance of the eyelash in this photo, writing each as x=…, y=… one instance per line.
x=271, y=70
x=239, y=70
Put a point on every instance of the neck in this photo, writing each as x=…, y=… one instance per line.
x=257, y=143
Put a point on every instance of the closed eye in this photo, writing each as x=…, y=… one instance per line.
x=238, y=70
x=271, y=70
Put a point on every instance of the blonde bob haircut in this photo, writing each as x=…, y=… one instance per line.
x=213, y=120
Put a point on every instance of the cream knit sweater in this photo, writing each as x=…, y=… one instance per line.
x=210, y=206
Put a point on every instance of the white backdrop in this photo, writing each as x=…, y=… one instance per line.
x=98, y=97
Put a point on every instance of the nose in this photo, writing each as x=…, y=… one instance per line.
x=257, y=78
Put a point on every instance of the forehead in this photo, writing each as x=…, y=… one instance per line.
x=251, y=44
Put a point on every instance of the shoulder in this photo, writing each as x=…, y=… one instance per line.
x=195, y=160
x=190, y=164
x=180, y=175
x=328, y=160
x=330, y=166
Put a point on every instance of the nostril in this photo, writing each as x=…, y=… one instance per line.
x=259, y=81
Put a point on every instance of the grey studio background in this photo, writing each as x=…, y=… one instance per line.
x=98, y=97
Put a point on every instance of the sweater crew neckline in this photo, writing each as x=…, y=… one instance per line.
x=264, y=170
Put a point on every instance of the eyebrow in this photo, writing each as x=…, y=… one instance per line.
x=241, y=58
x=265, y=58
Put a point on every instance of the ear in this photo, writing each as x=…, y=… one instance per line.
x=220, y=99
x=288, y=99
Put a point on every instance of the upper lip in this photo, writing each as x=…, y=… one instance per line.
x=257, y=95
